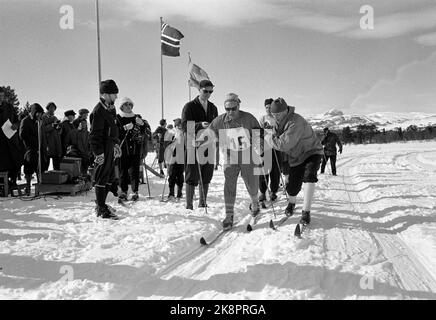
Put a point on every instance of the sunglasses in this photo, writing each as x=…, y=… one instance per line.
x=231, y=109
x=207, y=91
x=128, y=104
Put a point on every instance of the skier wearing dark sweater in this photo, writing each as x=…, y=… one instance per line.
x=104, y=139
x=329, y=142
x=132, y=129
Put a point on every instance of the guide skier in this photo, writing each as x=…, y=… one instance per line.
x=294, y=136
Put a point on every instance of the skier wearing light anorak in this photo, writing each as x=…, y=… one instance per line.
x=294, y=136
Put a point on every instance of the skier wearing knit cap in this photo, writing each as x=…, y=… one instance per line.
x=105, y=147
x=267, y=121
x=294, y=136
x=132, y=129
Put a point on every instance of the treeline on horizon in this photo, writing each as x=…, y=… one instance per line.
x=369, y=133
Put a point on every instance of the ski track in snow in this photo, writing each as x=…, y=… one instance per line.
x=372, y=236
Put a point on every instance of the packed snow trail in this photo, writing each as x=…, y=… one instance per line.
x=372, y=235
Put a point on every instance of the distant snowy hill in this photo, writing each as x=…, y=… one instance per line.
x=336, y=119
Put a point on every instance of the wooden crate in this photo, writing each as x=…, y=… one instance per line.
x=71, y=189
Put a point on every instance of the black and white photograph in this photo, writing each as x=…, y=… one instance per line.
x=201, y=151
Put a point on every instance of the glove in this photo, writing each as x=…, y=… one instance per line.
x=128, y=126
x=205, y=124
x=139, y=121
x=99, y=159
x=117, y=151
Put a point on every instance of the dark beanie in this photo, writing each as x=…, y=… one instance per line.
x=268, y=101
x=69, y=113
x=35, y=108
x=162, y=122
x=278, y=105
x=109, y=87
x=51, y=104
x=83, y=111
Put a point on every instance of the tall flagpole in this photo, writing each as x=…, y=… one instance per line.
x=189, y=85
x=98, y=43
x=161, y=71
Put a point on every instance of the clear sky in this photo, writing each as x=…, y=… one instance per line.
x=313, y=53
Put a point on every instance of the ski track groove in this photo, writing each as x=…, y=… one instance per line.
x=407, y=267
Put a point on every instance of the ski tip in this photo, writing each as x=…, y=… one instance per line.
x=297, y=231
x=249, y=228
x=203, y=241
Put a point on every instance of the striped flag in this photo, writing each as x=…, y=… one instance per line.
x=196, y=74
x=170, y=40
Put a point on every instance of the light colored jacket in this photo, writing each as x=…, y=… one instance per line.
x=295, y=137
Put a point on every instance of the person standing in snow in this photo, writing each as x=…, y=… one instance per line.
x=294, y=136
x=267, y=121
x=78, y=146
x=159, y=136
x=329, y=142
x=66, y=126
x=11, y=158
x=238, y=126
x=132, y=130
x=105, y=146
x=52, y=131
x=175, y=169
x=202, y=112
x=29, y=135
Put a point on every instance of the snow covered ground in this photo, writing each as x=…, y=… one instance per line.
x=373, y=236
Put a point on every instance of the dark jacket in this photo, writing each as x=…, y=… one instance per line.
x=329, y=142
x=194, y=111
x=77, y=143
x=159, y=135
x=11, y=157
x=103, y=128
x=66, y=127
x=29, y=136
x=133, y=139
x=52, y=135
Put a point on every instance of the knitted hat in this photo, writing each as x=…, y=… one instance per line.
x=126, y=100
x=162, y=122
x=108, y=86
x=268, y=101
x=69, y=113
x=278, y=105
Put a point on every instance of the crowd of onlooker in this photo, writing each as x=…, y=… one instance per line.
x=40, y=137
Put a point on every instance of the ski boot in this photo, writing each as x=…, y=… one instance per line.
x=105, y=213
x=122, y=197
x=135, y=196
x=289, y=211
x=228, y=222
x=305, y=217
